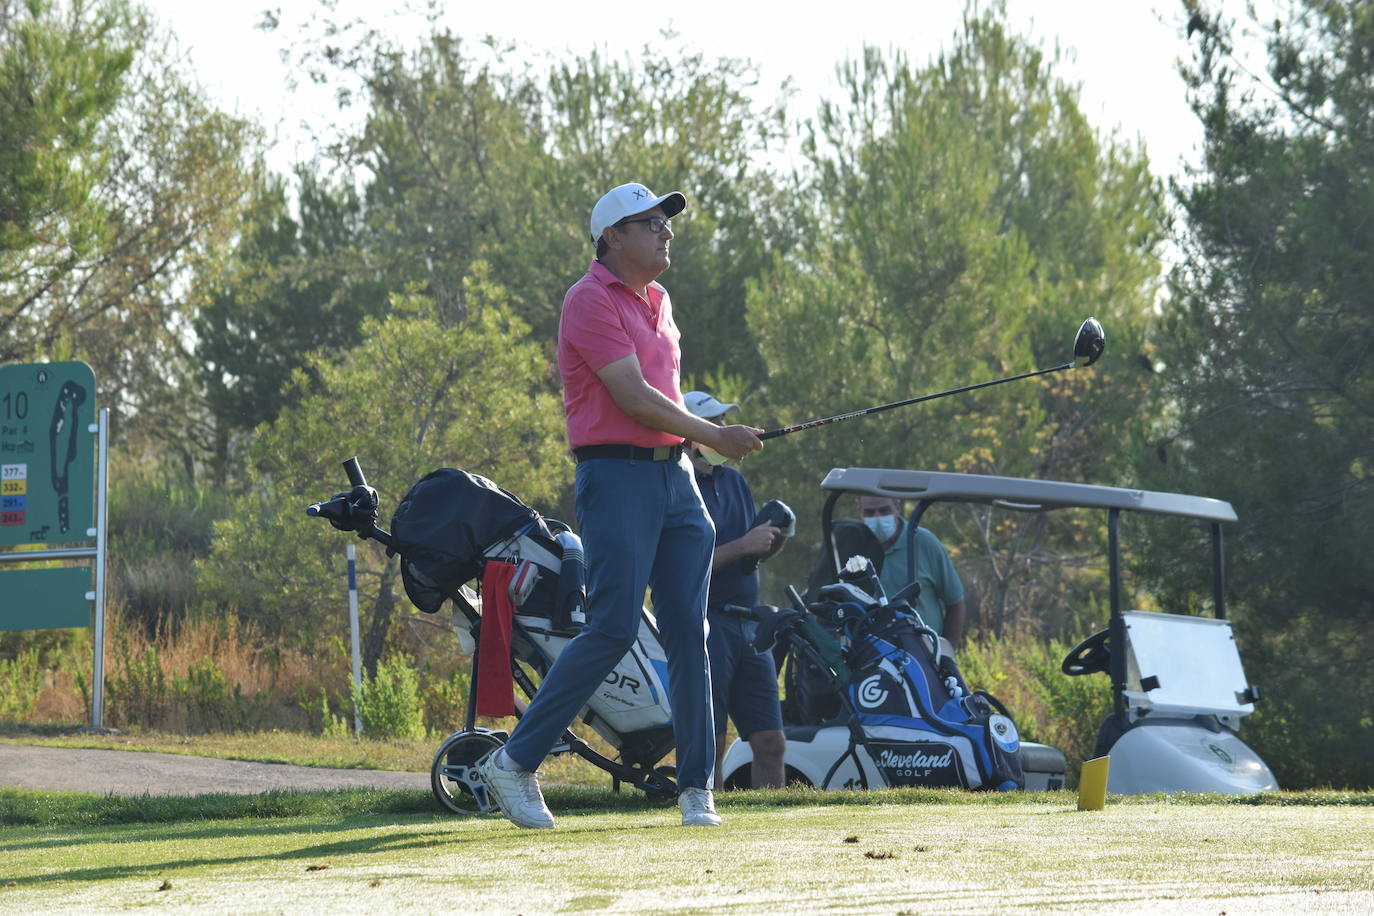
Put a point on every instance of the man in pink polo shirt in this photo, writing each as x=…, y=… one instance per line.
x=641, y=517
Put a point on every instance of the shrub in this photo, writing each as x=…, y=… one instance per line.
x=331, y=725
x=163, y=523
x=446, y=701
x=136, y=692
x=208, y=700
x=389, y=702
x=1050, y=707
x=21, y=681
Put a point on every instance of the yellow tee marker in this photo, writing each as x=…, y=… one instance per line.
x=1092, y=784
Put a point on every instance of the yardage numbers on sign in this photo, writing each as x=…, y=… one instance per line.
x=13, y=493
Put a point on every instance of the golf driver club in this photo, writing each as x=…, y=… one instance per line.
x=1087, y=348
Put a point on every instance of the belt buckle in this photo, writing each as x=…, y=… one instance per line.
x=662, y=452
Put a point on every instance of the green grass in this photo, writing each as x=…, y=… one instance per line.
x=794, y=852
x=31, y=808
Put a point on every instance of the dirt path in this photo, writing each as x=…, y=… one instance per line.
x=139, y=772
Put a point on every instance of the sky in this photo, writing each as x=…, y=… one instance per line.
x=1123, y=53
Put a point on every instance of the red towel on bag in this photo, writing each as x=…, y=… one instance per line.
x=495, y=689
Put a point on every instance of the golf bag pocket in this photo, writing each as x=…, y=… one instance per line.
x=634, y=695
x=908, y=752
x=522, y=583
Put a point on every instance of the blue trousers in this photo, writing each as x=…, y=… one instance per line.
x=643, y=525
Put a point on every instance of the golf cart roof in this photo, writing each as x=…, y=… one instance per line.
x=1020, y=493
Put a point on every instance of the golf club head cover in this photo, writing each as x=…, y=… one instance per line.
x=571, y=597
x=860, y=572
x=775, y=512
x=772, y=621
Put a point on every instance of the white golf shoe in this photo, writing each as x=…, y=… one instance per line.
x=516, y=791
x=698, y=808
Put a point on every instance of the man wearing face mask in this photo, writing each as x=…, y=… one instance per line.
x=941, y=602
x=744, y=683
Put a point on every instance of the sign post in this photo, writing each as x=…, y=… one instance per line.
x=353, y=635
x=48, y=478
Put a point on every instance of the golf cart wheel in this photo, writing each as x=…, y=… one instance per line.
x=741, y=777
x=660, y=785
x=453, y=775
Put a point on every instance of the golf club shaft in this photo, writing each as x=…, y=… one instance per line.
x=774, y=433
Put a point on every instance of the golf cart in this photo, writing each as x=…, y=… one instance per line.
x=1178, y=687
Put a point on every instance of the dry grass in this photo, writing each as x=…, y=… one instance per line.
x=270, y=705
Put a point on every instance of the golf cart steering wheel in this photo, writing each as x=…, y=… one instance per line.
x=1090, y=656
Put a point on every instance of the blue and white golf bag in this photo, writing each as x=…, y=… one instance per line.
x=912, y=713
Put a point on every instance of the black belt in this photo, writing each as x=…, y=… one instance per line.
x=629, y=452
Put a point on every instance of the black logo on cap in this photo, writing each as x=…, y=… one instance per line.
x=641, y=193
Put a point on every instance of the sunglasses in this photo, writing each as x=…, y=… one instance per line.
x=655, y=223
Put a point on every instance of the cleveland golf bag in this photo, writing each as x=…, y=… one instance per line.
x=452, y=528
x=911, y=718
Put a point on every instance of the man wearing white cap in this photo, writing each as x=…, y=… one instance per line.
x=639, y=512
x=744, y=682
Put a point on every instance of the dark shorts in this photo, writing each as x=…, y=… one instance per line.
x=744, y=683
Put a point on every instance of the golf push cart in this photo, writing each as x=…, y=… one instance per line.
x=453, y=527
x=1179, y=691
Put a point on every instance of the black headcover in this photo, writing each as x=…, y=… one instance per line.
x=445, y=524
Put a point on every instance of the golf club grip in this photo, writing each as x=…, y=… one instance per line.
x=354, y=472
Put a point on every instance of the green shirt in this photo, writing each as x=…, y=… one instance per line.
x=940, y=585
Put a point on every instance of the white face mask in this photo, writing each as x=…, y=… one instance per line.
x=883, y=526
x=710, y=455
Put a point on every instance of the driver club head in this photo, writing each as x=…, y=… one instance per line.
x=1089, y=344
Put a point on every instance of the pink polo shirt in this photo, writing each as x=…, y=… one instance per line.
x=604, y=320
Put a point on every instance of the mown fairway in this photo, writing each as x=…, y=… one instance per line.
x=779, y=852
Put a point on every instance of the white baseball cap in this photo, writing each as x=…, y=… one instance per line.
x=701, y=404
x=629, y=199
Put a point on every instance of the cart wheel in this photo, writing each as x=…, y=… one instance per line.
x=453, y=776
x=660, y=784
x=741, y=777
